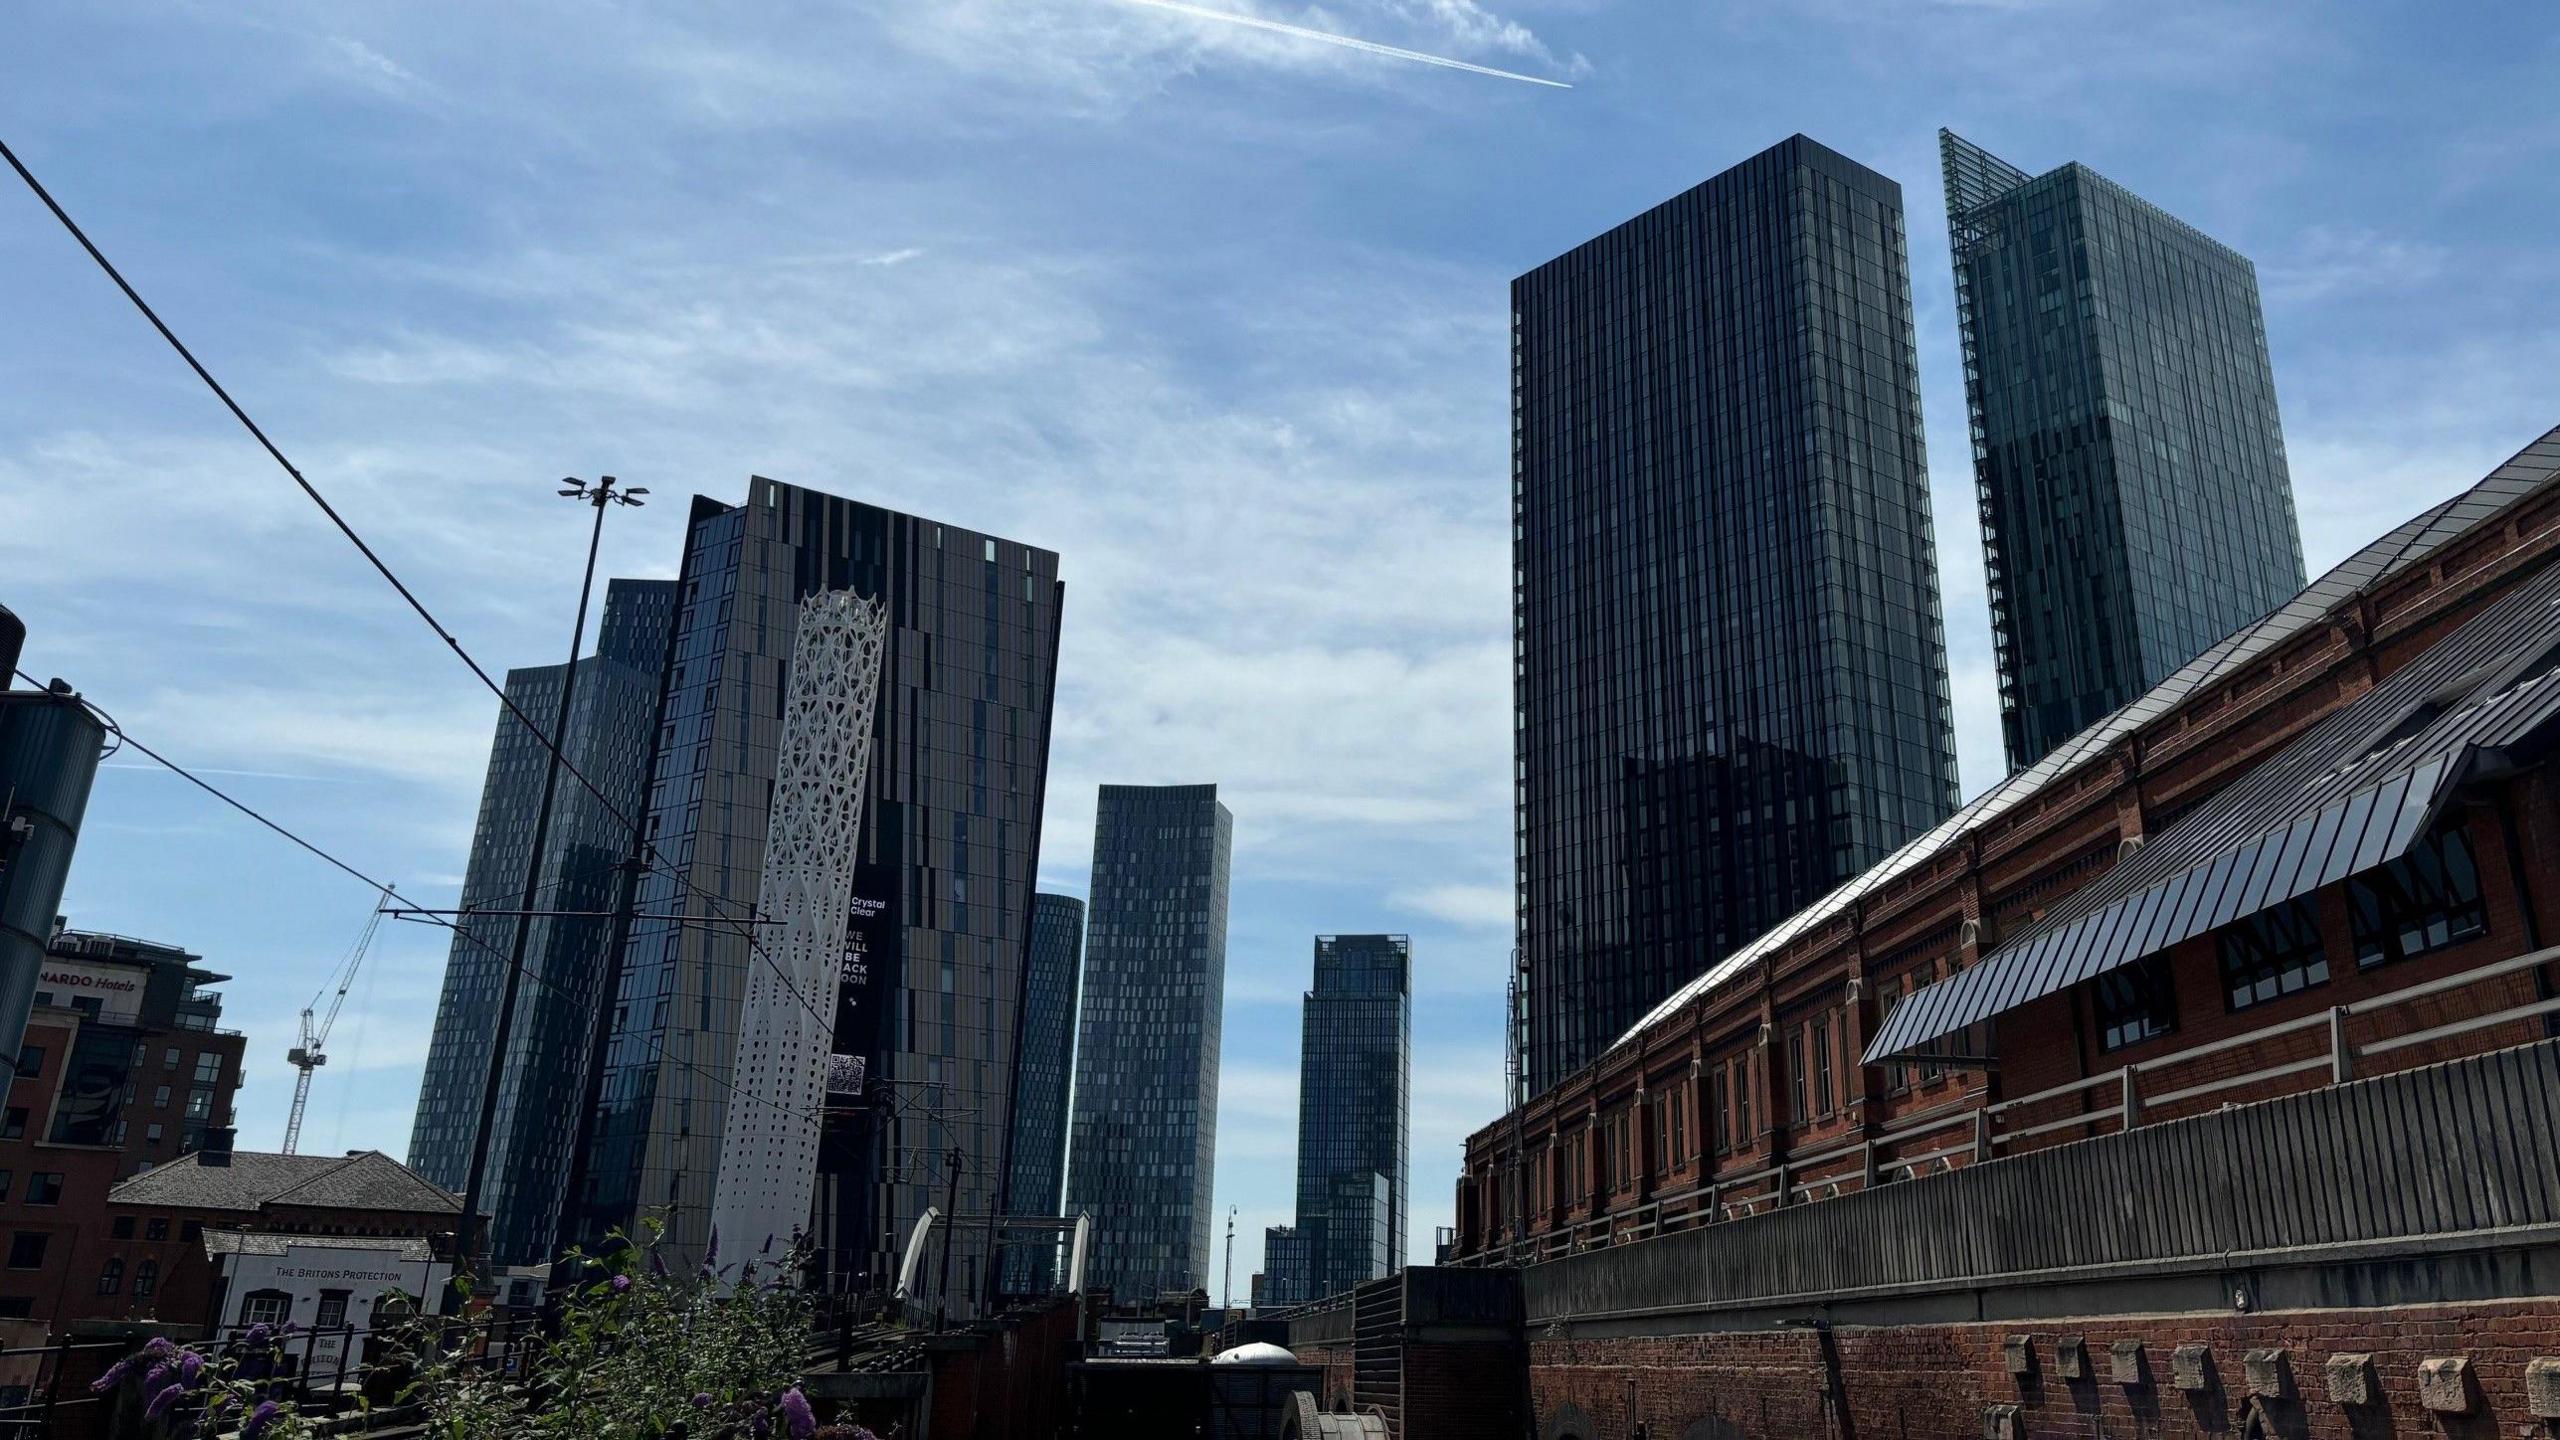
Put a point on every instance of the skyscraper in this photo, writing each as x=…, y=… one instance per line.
x=1036, y=1167
x=1146, y=1102
x=49, y=745
x=612, y=718
x=2136, y=506
x=1730, y=669
x=1354, y=1102
x=938, y=924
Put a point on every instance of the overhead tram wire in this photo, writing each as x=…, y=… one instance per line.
x=550, y=743
x=385, y=888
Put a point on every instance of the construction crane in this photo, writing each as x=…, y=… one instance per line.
x=308, y=1056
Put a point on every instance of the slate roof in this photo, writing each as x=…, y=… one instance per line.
x=365, y=1180
x=2350, y=795
x=2532, y=470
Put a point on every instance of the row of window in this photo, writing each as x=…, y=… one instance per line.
x=2424, y=901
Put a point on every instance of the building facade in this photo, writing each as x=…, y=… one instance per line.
x=1355, y=1086
x=1730, y=669
x=938, y=925
x=125, y=1068
x=2136, y=504
x=1036, y=1167
x=613, y=721
x=1145, y=1136
x=49, y=747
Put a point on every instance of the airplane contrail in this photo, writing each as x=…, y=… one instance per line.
x=1256, y=22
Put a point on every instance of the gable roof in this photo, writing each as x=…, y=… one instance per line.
x=365, y=1180
x=2531, y=470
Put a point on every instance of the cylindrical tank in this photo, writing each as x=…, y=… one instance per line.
x=48, y=759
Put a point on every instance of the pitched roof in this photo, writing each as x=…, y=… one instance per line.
x=256, y=1242
x=2533, y=469
x=365, y=1180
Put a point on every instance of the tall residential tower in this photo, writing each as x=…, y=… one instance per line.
x=1730, y=669
x=542, y=1084
x=1155, y=984
x=937, y=928
x=2135, y=503
x=1355, y=1084
x=1036, y=1168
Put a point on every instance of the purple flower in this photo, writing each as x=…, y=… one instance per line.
x=113, y=1378
x=702, y=1400
x=260, y=1419
x=760, y=1426
x=160, y=1348
x=190, y=1365
x=161, y=1402
x=620, y=1283
x=158, y=1376
x=797, y=1416
x=258, y=1334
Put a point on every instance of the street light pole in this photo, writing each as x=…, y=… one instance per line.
x=600, y=495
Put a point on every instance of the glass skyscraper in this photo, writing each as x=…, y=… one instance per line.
x=2136, y=507
x=940, y=915
x=1036, y=1166
x=542, y=1085
x=1730, y=668
x=1355, y=1089
x=1155, y=986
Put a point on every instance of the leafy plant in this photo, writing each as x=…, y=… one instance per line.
x=187, y=1392
x=641, y=1354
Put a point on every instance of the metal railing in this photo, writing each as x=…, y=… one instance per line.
x=30, y=1404
x=1982, y=1132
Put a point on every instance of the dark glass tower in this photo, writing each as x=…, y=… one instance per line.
x=49, y=747
x=2136, y=507
x=1036, y=1167
x=542, y=1086
x=1354, y=1101
x=939, y=927
x=1155, y=986
x=1730, y=670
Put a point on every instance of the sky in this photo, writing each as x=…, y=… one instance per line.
x=1215, y=310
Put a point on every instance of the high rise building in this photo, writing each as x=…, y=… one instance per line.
x=1146, y=1102
x=2136, y=506
x=1354, y=1101
x=49, y=745
x=1036, y=1167
x=613, y=719
x=1730, y=668
x=938, y=923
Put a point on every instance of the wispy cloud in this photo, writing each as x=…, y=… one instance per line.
x=1348, y=42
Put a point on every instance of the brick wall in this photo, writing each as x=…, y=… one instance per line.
x=1335, y=1361
x=1936, y=1381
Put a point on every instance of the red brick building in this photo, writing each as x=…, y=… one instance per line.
x=125, y=1067
x=171, y=1222
x=2049, y=969
x=2198, y=1080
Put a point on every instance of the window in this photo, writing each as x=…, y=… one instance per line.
x=44, y=1187
x=30, y=1059
x=156, y=1228
x=199, y=1104
x=151, y=1134
x=146, y=1278
x=2134, y=1003
x=191, y=1230
x=265, y=1307
x=2425, y=900
x=332, y=1312
x=1719, y=1106
x=1744, y=1136
x=122, y=1229
x=26, y=1249
x=169, y=1058
x=13, y=1123
x=17, y=1307
x=5, y=1177
x=2274, y=952
x=1823, y=1093
x=1797, y=1111
x=160, y=1096
x=208, y=1068
x=111, y=1275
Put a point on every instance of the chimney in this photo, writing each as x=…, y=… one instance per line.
x=215, y=1152
x=13, y=639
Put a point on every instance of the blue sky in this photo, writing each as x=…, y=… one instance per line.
x=1217, y=313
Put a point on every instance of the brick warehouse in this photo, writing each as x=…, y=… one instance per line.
x=2244, y=991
